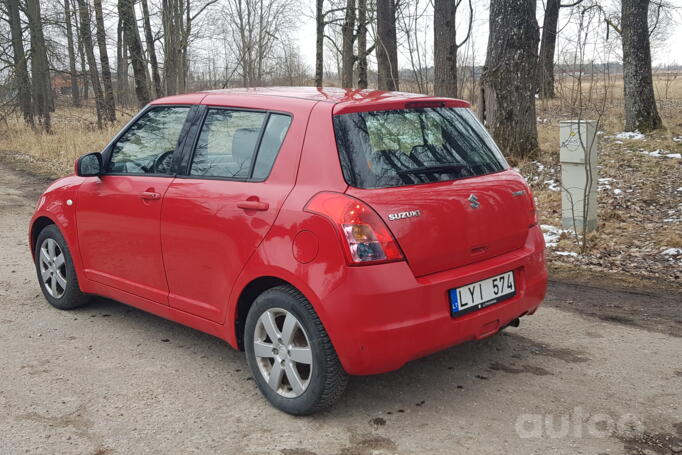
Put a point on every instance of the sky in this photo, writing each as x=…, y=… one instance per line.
x=668, y=52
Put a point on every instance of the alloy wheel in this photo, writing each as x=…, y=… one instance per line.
x=283, y=352
x=53, y=268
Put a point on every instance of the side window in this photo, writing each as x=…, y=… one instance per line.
x=273, y=137
x=147, y=147
x=227, y=143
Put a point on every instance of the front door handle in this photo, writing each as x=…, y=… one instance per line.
x=150, y=195
x=253, y=205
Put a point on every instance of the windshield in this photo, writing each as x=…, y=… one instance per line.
x=411, y=146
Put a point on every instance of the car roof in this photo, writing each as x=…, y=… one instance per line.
x=345, y=100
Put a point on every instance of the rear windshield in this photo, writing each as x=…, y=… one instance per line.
x=383, y=149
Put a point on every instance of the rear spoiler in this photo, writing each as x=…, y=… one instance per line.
x=387, y=101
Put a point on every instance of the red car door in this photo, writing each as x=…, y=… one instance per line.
x=119, y=213
x=215, y=217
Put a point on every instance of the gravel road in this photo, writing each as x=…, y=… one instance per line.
x=595, y=371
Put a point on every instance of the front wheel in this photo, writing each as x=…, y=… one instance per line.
x=55, y=270
x=290, y=355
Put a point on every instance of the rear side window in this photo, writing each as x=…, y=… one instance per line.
x=234, y=144
x=411, y=146
x=274, y=134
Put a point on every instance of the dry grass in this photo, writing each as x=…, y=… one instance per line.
x=637, y=225
x=74, y=134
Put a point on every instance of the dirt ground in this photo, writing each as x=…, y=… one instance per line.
x=595, y=371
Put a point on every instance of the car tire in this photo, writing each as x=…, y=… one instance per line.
x=323, y=380
x=56, y=274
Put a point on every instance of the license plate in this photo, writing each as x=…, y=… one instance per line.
x=481, y=294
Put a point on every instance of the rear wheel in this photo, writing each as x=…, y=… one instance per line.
x=290, y=355
x=56, y=274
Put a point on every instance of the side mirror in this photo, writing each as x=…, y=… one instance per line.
x=89, y=165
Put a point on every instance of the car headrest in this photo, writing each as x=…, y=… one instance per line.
x=243, y=144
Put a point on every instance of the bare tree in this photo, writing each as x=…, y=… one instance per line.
x=550, y=26
x=122, y=84
x=348, y=43
x=507, y=100
x=412, y=27
x=40, y=71
x=75, y=94
x=132, y=38
x=178, y=18
x=362, y=44
x=81, y=53
x=253, y=28
x=445, y=45
x=86, y=38
x=109, y=105
x=151, y=52
x=387, y=45
x=19, y=60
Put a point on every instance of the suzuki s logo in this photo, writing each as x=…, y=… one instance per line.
x=473, y=201
x=401, y=215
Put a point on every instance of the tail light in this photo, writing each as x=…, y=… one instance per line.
x=365, y=236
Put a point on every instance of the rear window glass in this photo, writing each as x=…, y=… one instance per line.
x=411, y=146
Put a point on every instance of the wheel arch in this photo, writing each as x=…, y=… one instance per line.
x=37, y=226
x=248, y=295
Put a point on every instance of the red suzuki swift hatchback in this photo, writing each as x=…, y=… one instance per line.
x=326, y=233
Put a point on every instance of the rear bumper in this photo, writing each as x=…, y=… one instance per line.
x=389, y=317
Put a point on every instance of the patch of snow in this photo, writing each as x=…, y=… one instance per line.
x=540, y=166
x=552, y=234
x=679, y=189
x=658, y=153
x=677, y=139
x=617, y=142
x=617, y=191
x=566, y=253
x=606, y=180
x=630, y=135
x=552, y=185
x=672, y=252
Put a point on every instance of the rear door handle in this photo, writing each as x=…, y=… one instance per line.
x=253, y=205
x=150, y=195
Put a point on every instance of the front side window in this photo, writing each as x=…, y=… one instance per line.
x=230, y=141
x=383, y=149
x=147, y=147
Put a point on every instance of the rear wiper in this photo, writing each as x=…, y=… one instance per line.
x=443, y=168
